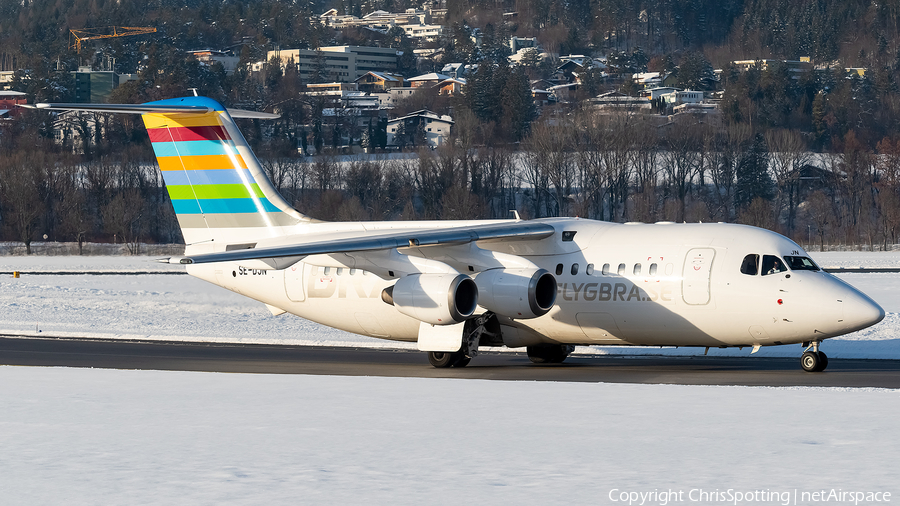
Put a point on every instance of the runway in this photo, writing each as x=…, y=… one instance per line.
x=267, y=359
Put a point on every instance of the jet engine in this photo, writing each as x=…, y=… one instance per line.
x=438, y=299
x=516, y=293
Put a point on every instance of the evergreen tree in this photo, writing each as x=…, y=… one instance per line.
x=753, y=178
x=695, y=72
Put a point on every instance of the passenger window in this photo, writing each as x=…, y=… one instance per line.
x=621, y=270
x=605, y=270
x=653, y=269
x=589, y=269
x=574, y=269
x=340, y=271
x=637, y=269
x=750, y=265
x=353, y=272
x=327, y=270
x=669, y=269
x=559, y=268
x=772, y=265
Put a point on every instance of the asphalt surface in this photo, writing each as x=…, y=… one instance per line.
x=233, y=358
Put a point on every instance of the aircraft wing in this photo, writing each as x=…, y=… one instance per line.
x=514, y=230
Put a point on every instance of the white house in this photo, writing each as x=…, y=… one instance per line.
x=683, y=97
x=405, y=131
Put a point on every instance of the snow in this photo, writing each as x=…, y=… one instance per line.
x=857, y=259
x=84, y=436
x=92, y=436
x=163, y=306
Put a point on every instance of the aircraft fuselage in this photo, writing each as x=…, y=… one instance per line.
x=660, y=284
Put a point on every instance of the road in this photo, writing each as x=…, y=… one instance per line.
x=236, y=358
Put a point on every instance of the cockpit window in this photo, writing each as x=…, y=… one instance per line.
x=801, y=264
x=750, y=265
x=772, y=265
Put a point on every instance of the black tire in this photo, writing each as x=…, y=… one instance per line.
x=548, y=353
x=823, y=358
x=811, y=362
x=463, y=361
x=442, y=359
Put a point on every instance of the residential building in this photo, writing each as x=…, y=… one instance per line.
x=451, y=86
x=541, y=97
x=795, y=67
x=211, y=56
x=682, y=97
x=517, y=43
x=338, y=63
x=619, y=100
x=654, y=93
x=574, y=64
x=431, y=79
x=9, y=100
x=379, y=81
x=430, y=33
x=6, y=78
x=419, y=126
x=330, y=88
x=421, y=24
x=458, y=70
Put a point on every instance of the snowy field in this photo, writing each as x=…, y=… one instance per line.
x=182, y=308
x=92, y=436
x=85, y=436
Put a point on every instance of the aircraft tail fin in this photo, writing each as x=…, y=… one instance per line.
x=218, y=188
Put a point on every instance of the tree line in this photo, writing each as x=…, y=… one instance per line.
x=616, y=167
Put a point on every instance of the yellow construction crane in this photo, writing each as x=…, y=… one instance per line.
x=104, y=33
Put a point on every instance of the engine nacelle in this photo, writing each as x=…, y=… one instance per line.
x=516, y=293
x=438, y=299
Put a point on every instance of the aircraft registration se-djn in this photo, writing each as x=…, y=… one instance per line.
x=452, y=286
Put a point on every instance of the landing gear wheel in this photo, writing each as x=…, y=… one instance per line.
x=813, y=361
x=442, y=359
x=548, y=353
x=462, y=362
x=824, y=358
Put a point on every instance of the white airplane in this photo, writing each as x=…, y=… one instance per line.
x=453, y=286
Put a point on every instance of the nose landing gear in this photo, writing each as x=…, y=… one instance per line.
x=812, y=359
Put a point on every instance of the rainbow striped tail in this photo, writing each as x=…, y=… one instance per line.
x=219, y=191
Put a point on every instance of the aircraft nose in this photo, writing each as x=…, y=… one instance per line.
x=860, y=311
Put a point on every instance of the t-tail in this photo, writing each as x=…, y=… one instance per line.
x=219, y=191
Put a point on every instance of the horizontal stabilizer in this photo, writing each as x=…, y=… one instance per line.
x=150, y=109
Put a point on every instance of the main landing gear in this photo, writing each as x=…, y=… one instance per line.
x=549, y=353
x=442, y=359
x=812, y=359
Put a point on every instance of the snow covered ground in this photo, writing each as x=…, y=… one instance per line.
x=84, y=436
x=167, y=307
x=90, y=436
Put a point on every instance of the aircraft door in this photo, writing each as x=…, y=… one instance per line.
x=695, y=278
x=293, y=282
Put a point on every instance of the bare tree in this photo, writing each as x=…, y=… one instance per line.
x=21, y=183
x=820, y=214
x=646, y=171
x=680, y=162
x=788, y=153
x=552, y=146
x=888, y=190
x=124, y=217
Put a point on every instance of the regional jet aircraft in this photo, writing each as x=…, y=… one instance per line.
x=455, y=286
